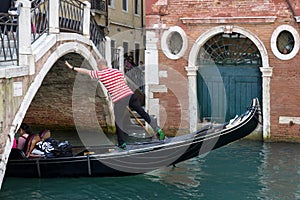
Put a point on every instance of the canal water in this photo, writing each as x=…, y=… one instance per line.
x=241, y=170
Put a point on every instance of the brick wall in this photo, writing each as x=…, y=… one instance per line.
x=285, y=90
x=285, y=99
x=52, y=105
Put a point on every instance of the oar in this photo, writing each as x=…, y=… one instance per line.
x=138, y=121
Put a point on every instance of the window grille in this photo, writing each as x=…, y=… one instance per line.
x=229, y=49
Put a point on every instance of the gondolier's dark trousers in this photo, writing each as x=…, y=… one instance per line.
x=122, y=115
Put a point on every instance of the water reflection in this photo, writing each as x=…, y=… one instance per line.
x=179, y=176
x=279, y=172
x=242, y=170
x=226, y=173
x=186, y=181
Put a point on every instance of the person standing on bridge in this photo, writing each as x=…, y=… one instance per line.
x=122, y=97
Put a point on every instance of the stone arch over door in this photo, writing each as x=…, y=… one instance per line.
x=192, y=74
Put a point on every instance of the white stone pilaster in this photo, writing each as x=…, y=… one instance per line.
x=151, y=74
x=108, y=51
x=266, y=79
x=86, y=19
x=53, y=16
x=192, y=92
x=25, y=35
x=121, y=59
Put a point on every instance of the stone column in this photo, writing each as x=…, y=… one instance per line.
x=151, y=73
x=25, y=50
x=121, y=59
x=192, y=92
x=53, y=16
x=266, y=75
x=108, y=51
x=86, y=19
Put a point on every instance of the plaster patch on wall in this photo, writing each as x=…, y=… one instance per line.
x=18, y=89
x=289, y=120
x=163, y=74
x=161, y=2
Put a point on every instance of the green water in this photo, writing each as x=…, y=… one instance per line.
x=242, y=170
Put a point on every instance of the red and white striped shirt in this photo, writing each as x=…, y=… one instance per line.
x=114, y=82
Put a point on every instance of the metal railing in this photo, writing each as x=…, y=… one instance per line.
x=70, y=20
x=8, y=37
x=136, y=77
x=97, y=35
x=39, y=18
x=71, y=16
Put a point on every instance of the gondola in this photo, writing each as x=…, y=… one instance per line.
x=139, y=157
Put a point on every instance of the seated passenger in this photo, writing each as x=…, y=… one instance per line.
x=30, y=143
x=25, y=131
x=39, y=145
x=14, y=144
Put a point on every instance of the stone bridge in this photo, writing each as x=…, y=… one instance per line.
x=35, y=85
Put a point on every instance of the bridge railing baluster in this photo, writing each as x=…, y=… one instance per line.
x=39, y=18
x=97, y=35
x=8, y=37
x=71, y=14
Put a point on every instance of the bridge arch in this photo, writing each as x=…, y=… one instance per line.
x=39, y=52
x=61, y=48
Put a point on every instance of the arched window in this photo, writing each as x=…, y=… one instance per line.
x=229, y=49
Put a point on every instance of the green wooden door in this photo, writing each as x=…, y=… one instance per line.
x=228, y=76
x=226, y=91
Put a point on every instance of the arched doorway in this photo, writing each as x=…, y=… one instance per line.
x=228, y=76
x=265, y=69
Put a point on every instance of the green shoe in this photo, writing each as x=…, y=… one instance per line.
x=123, y=146
x=160, y=134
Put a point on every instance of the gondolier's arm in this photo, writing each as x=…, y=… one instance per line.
x=78, y=69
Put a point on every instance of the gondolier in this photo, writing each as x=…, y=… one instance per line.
x=121, y=95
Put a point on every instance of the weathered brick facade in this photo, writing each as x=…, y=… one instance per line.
x=260, y=18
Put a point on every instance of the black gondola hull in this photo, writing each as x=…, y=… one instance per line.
x=140, y=157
